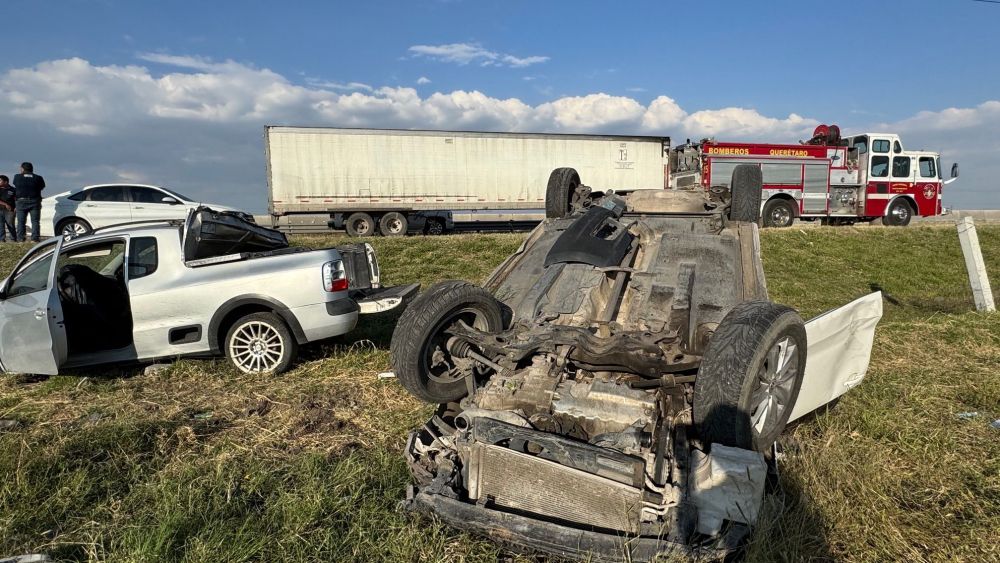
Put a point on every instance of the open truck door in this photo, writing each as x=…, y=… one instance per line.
x=32, y=329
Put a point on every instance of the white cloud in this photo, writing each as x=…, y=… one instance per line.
x=465, y=53
x=339, y=86
x=423, y=80
x=197, y=126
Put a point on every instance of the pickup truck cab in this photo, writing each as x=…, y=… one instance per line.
x=212, y=285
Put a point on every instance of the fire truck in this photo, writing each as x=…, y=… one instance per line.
x=827, y=178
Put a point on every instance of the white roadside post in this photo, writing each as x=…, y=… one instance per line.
x=981, y=291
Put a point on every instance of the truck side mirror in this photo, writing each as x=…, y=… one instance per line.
x=954, y=170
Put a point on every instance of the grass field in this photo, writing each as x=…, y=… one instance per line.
x=201, y=463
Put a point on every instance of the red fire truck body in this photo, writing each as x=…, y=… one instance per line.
x=858, y=178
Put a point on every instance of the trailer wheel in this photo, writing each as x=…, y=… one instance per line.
x=745, y=188
x=421, y=357
x=750, y=376
x=393, y=224
x=778, y=213
x=561, y=192
x=360, y=225
x=899, y=214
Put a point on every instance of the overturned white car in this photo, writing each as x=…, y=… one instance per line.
x=613, y=390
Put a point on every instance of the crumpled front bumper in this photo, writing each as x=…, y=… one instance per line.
x=525, y=534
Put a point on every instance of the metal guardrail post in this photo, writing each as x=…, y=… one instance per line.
x=980, y=282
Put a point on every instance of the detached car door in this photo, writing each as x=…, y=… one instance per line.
x=32, y=331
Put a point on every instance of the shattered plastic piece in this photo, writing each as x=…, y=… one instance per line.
x=995, y=424
x=967, y=415
x=155, y=369
x=387, y=375
x=8, y=425
x=31, y=558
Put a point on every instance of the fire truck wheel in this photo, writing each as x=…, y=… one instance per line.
x=393, y=224
x=899, y=214
x=360, y=225
x=560, y=192
x=750, y=376
x=745, y=189
x=778, y=213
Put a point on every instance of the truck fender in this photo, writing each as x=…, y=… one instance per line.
x=908, y=197
x=252, y=300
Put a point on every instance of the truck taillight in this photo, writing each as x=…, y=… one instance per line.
x=334, y=276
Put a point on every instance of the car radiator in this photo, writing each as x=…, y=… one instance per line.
x=526, y=483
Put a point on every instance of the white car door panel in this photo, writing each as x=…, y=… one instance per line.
x=150, y=204
x=32, y=330
x=106, y=205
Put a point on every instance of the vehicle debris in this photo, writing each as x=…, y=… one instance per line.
x=613, y=390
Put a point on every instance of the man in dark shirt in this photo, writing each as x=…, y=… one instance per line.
x=6, y=209
x=28, y=188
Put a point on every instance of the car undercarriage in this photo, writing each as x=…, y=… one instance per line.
x=614, y=388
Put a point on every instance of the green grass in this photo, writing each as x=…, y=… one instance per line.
x=201, y=463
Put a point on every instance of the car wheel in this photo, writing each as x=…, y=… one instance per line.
x=778, y=213
x=435, y=227
x=899, y=214
x=261, y=342
x=750, y=376
x=745, y=188
x=393, y=224
x=360, y=225
x=561, y=192
x=73, y=227
x=420, y=355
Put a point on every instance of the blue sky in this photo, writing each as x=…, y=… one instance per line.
x=785, y=65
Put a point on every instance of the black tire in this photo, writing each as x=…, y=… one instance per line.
x=560, y=192
x=733, y=380
x=393, y=224
x=434, y=227
x=778, y=213
x=239, y=344
x=745, y=188
x=73, y=226
x=899, y=213
x=420, y=331
x=360, y=225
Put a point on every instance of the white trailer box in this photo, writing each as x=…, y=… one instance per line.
x=430, y=177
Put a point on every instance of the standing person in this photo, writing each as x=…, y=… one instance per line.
x=28, y=188
x=7, y=210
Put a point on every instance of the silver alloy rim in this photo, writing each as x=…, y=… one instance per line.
x=256, y=347
x=774, y=384
x=901, y=212
x=74, y=229
x=780, y=216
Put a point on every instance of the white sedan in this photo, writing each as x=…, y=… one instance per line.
x=81, y=211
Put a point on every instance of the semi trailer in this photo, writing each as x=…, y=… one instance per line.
x=393, y=182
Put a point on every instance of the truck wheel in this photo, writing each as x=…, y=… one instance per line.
x=393, y=224
x=420, y=356
x=899, y=214
x=750, y=376
x=560, y=192
x=435, y=227
x=261, y=342
x=360, y=225
x=778, y=213
x=744, y=190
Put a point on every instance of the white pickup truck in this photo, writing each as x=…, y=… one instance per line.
x=208, y=286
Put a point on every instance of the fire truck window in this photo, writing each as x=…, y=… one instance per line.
x=880, y=145
x=880, y=166
x=722, y=173
x=896, y=147
x=861, y=144
x=901, y=167
x=927, y=168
